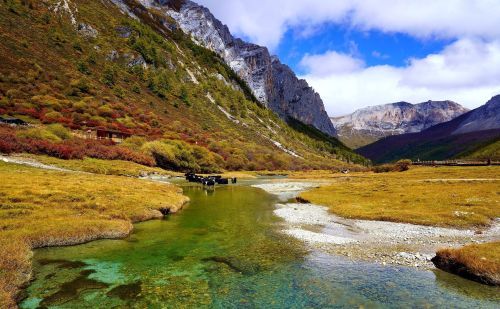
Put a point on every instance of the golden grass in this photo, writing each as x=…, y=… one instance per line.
x=461, y=197
x=47, y=208
x=104, y=167
x=481, y=260
x=240, y=175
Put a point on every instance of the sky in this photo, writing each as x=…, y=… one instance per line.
x=358, y=53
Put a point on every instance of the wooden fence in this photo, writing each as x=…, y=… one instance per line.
x=456, y=163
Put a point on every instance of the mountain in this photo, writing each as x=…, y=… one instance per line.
x=124, y=66
x=273, y=84
x=370, y=124
x=474, y=134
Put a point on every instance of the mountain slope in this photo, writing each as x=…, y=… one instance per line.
x=466, y=134
x=370, y=124
x=274, y=84
x=86, y=64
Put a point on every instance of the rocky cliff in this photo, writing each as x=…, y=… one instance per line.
x=370, y=124
x=272, y=83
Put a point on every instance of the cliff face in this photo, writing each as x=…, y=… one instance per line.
x=373, y=123
x=273, y=83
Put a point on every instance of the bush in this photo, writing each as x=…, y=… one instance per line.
x=135, y=143
x=83, y=68
x=400, y=166
x=46, y=101
x=403, y=165
x=38, y=134
x=119, y=92
x=158, y=82
x=46, y=142
x=52, y=117
x=109, y=76
x=59, y=131
x=180, y=156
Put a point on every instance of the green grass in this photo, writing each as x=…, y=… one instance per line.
x=45, y=208
x=489, y=151
x=447, y=196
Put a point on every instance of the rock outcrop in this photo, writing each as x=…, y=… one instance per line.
x=274, y=84
x=370, y=124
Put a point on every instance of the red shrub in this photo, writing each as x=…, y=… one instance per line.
x=70, y=149
x=8, y=141
x=29, y=112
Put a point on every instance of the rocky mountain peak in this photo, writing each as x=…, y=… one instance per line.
x=274, y=84
x=486, y=117
x=372, y=123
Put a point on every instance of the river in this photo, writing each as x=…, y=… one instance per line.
x=226, y=250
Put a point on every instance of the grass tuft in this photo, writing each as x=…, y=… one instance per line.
x=477, y=262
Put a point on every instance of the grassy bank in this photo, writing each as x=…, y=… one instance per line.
x=477, y=262
x=46, y=208
x=445, y=196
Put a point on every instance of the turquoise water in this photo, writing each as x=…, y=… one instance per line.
x=225, y=251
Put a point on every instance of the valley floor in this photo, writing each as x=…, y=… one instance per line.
x=51, y=202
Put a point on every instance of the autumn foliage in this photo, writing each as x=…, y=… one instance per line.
x=74, y=148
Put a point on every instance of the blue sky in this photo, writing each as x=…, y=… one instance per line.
x=358, y=53
x=374, y=47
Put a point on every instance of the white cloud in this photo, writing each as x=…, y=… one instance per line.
x=265, y=22
x=330, y=63
x=467, y=71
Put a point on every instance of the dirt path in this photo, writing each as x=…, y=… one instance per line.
x=32, y=163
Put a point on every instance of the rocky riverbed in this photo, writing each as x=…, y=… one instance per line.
x=375, y=241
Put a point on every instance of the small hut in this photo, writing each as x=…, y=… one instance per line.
x=115, y=136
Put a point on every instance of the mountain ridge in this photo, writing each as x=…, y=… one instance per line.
x=87, y=65
x=465, y=134
x=273, y=83
x=370, y=124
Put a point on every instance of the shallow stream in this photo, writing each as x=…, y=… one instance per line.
x=226, y=250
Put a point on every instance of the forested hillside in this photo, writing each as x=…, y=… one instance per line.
x=86, y=65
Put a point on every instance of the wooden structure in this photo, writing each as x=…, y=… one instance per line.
x=456, y=163
x=116, y=136
x=104, y=134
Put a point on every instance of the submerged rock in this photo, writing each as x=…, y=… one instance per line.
x=235, y=264
x=71, y=290
x=126, y=291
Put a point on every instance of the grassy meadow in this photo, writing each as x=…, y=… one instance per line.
x=47, y=208
x=443, y=196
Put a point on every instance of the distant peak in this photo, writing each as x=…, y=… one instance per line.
x=494, y=100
